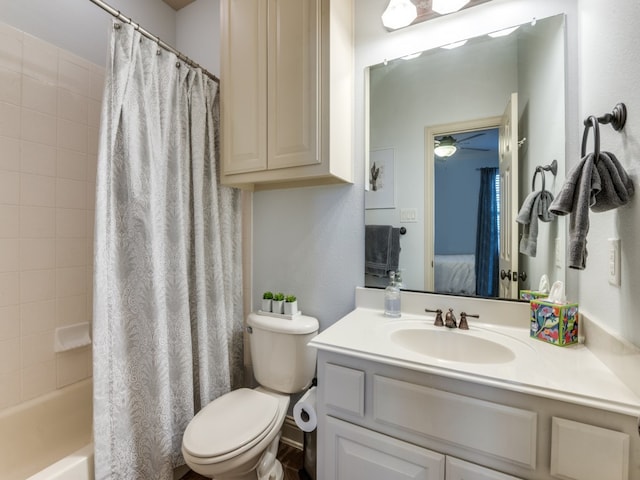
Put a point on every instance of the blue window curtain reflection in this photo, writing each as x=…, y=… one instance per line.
x=488, y=234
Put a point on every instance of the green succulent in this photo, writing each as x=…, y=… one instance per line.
x=290, y=298
x=267, y=295
x=278, y=297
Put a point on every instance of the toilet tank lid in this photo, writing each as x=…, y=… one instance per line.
x=298, y=325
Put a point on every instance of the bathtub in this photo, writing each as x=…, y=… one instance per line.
x=49, y=438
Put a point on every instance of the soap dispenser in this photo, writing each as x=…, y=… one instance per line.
x=392, y=297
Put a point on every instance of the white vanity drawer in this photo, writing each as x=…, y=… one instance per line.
x=503, y=432
x=344, y=389
x=584, y=452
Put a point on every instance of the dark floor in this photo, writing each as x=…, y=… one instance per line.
x=291, y=458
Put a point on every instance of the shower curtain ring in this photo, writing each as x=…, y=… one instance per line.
x=591, y=122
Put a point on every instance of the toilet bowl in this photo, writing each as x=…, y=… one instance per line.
x=236, y=436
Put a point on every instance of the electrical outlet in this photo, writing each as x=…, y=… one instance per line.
x=614, y=261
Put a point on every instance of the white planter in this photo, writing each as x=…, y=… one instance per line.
x=277, y=306
x=266, y=305
x=291, y=308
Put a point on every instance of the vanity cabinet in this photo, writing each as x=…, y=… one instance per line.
x=359, y=453
x=377, y=420
x=286, y=92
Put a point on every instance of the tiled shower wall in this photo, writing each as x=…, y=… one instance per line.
x=49, y=115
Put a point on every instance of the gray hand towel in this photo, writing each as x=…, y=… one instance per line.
x=616, y=188
x=576, y=196
x=382, y=249
x=535, y=207
x=600, y=185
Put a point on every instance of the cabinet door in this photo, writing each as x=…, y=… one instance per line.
x=461, y=470
x=355, y=453
x=243, y=86
x=294, y=83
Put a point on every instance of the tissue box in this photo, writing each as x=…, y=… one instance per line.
x=554, y=323
x=532, y=294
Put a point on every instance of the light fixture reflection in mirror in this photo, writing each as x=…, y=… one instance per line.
x=503, y=33
x=453, y=45
x=446, y=147
x=399, y=13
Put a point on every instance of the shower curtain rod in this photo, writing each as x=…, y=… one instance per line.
x=116, y=13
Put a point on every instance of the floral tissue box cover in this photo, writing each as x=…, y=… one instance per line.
x=554, y=323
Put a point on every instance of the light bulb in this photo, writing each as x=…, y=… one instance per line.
x=399, y=13
x=447, y=6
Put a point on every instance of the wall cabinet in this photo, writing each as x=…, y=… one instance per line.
x=380, y=421
x=286, y=92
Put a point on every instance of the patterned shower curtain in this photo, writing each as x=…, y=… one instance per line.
x=167, y=325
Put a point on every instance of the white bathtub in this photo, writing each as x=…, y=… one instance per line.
x=49, y=438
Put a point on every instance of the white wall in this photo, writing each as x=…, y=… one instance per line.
x=198, y=33
x=81, y=27
x=542, y=118
x=609, y=72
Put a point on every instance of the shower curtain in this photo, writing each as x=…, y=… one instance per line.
x=487, y=235
x=167, y=325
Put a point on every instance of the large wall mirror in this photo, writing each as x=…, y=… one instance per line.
x=498, y=101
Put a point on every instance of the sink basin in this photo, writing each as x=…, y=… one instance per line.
x=452, y=345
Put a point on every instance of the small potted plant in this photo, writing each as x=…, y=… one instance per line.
x=290, y=305
x=267, y=297
x=277, y=305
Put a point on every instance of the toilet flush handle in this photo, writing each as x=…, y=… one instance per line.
x=249, y=329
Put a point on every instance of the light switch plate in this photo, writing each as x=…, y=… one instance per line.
x=613, y=258
x=408, y=215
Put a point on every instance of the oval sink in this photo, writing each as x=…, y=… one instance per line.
x=454, y=346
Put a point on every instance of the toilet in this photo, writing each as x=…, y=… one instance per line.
x=236, y=436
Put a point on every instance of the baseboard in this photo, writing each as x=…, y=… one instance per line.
x=291, y=433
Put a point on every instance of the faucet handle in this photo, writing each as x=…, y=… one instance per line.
x=450, y=319
x=463, y=320
x=438, y=322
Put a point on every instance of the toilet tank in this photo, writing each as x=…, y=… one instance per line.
x=281, y=359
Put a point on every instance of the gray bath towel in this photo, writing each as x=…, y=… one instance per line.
x=381, y=250
x=601, y=186
x=535, y=207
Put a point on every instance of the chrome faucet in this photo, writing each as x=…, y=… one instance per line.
x=463, y=320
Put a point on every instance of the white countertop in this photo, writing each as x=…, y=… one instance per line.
x=572, y=374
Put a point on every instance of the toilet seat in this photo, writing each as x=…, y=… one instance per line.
x=230, y=425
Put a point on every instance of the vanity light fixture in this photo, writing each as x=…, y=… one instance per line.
x=447, y=6
x=446, y=147
x=504, y=32
x=399, y=13
x=454, y=44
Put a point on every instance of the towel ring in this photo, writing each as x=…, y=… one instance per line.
x=533, y=182
x=591, y=122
